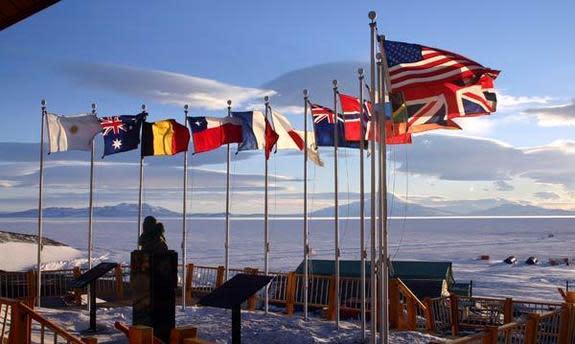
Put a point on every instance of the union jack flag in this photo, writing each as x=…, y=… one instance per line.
x=112, y=124
x=411, y=65
x=324, y=120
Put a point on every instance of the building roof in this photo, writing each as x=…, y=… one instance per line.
x=405, y=270
x=13, y=11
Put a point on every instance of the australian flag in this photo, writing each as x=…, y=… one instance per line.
x=121, y=133
x=324, y=121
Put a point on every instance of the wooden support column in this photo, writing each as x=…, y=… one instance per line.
x=19, y=330
x=31, y=282
x=90, y=340
x=531, y=328
x=454, y=308
x=429, y=323
x=119, y=274
x=331, y=309
x=508, y=310
x=411, y=314
x=220, y=276
x=490, y=336
x=565, y=323
x=141, y=335
x=189, y=282
x=253, y=300
x=76, y=272
x=290, y=292
x=394, y=306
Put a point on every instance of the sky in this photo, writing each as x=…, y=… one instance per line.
x=167, y=54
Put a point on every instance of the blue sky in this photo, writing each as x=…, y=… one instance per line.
x=112, y=53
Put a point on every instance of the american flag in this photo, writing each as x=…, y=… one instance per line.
x=412, y=65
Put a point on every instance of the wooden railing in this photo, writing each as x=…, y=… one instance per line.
x=21, y=324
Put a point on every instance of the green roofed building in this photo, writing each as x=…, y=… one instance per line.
x=425, y=279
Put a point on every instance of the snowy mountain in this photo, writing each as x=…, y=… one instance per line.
x=119, y=210
x=517, y=209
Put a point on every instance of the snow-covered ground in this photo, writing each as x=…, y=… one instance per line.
x=215, y=325
x=458, y=240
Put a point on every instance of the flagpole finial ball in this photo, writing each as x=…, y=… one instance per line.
x=334, y=83
x=378, y=56
x=186, y=107
x=93, y=106
x=305, y=92
x=143, y=107
x=266, y=99
x=229, y=102
x=43, y=102
x=372, y=15
x=360, y=71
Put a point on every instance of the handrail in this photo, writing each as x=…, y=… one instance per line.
x=51, y=325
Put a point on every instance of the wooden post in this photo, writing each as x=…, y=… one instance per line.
x=490, y=336
x=565, y=324
x=252, y=301
x=220, y=276
x=531, y=328
x=508, y=310
x=31, y=283
x=290, y=292
x=394, y=306
x=141, y=335
x=411, y=314
x=90, y=340
x=189, y=282
x=331, y=309
x=429, y=323
x=19, y=329
x=179, y=334
x=76, y=272
x=119, y=282
x=454, y=307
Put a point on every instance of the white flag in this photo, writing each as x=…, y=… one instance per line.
x=312, y=151
x=72, y=132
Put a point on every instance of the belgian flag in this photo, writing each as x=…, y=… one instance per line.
x=166, y=137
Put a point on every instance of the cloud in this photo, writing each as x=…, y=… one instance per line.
x=461, y=158
x=555, y=116
x=501, y=185
x=547, y=195
x=508, y=102
x=164, y=87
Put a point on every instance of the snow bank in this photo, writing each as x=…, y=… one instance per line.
x=19, y=256
x=215, y=325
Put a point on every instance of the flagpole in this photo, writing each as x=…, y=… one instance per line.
x=266, y=214
x=373, y=281
x=91, y=211
x=362, y=204
x=184, y=208
x=91, y=201
x=336, y=203
x=305, y=228
x=384, y=259
x=227, y=240
x=141, y=186
x=40, y=187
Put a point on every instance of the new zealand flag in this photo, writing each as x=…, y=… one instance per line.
x=324, y=121
x=121, y=133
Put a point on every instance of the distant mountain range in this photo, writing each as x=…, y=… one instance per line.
x=396, y=207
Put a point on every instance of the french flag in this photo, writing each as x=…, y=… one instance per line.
x=209, y=133
x=257, y=132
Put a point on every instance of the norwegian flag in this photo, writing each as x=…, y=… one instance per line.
x=351, y=110
x=412, y=65
x=324, y=120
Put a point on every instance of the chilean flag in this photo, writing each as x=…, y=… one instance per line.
x=209, y=133
x=257, y=132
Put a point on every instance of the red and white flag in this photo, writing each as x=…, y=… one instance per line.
x=209, y=133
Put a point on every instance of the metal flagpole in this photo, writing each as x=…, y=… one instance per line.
x=384, y=259
x=362, y=204
x=91, y=212
x=141, y=186
x=40, y=187
x=227, y=240
x=373, y=281
x=305, y=228
x=184, y=209
x=266, y=214
x=336, y=202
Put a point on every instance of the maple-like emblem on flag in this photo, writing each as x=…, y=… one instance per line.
x=120, y=133
x=430, y=87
